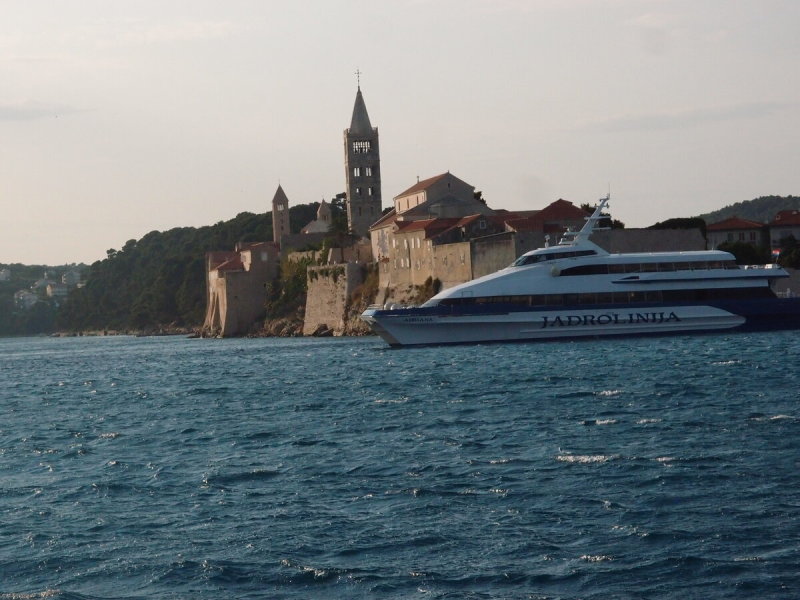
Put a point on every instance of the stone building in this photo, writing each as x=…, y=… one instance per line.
x=25, y=299
x=236, y=286
x=280, y=215
x=736, y=229
x=323, y=221
x=785, y=224
x=439, y=228
x=362, y=170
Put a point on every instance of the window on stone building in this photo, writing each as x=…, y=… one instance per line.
x=356, y=171
x=370, y=191
x=741, y=236
x=361, y=146
x=368, y=171
x=752, y=236
x=358, y=191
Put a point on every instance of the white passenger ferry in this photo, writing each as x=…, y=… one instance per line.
x=577, y=289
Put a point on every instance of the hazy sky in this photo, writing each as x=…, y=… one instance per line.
x=120, y=117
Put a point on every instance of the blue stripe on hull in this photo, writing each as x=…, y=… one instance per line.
x=758, y=314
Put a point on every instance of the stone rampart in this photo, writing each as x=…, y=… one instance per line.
x=329, y=290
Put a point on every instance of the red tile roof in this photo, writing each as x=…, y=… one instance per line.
x=220, y=257
x=548, y=219
x=234, y=264
x=561, y=210
x=734, y=223
x=421, y=185
x=786, y=217
x=431, y=227
x=387, y=219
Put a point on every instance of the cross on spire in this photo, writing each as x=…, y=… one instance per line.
x=358, y=77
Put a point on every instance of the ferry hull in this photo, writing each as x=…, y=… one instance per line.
x=421, y=326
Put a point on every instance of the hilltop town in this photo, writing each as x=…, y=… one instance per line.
x=437, y=233
x=311, y=269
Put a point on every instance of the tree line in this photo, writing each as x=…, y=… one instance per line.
x=159, y=280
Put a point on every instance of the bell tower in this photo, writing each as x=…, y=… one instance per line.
x=362, y=169
x=280, y=215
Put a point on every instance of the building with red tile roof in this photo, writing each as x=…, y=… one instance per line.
x=785, y=224
x=736, y=229
x=435, y=226
x=235, y=286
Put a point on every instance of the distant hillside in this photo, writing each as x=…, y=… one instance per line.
x=40, y=317
x=159, y=280
x=761, y=209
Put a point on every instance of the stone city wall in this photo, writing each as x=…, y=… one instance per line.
x=329, y=290
x=452, y=263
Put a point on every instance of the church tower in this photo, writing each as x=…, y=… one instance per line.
x=362, y=170
x=280, y=215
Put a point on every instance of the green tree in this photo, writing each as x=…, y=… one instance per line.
x=682, y=223
x=790, y=253
x=747, y=254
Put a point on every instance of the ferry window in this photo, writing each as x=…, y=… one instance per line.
x=683, y=266
x=666, y=266
x=632, y=268
x=586, y=270
x=620, y=297
x=554, y=299
x=527, y=260
x=636, y=296
x=605, y=298
x=616, y=268
x=649, y=267
x=654, y=296
x=570, y=298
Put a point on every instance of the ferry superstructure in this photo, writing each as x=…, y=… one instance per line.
x=577, y=289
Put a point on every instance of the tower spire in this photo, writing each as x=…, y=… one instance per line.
x=362, y=168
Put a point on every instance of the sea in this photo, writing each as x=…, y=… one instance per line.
x=302, y=468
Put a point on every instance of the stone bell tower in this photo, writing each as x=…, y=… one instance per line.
x=362, y=170
x=280, y=215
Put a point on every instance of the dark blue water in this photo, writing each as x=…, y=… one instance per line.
x=307, y=468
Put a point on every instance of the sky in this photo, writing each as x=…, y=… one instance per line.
x=121, y=117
